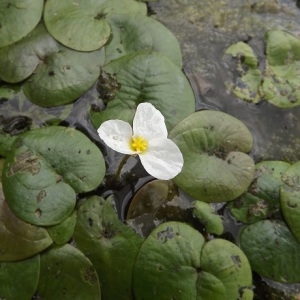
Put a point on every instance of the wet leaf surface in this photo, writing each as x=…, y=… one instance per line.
x=18, y=18
x=262, y=200
x=82, y=25
x=211, y=141
x=67, y=274
x=147, y=77
x=272, y=250
x=47, y=167
x=19, y=279
x=109, y=244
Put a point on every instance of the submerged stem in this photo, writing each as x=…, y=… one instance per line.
x=121, y=165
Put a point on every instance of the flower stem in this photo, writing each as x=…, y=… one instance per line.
x=121, y=165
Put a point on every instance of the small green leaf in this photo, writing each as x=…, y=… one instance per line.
x=213, y=222
x=67, y=274
x=47, y=167
x=211, y=141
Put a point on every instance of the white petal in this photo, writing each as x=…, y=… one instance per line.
x=148, y=122
x=117, y=135
x=163, y=159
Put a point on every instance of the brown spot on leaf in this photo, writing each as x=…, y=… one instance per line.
x=42, y=194
x=25, y=162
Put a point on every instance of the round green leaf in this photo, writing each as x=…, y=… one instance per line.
x=19, y=279
x=65, y=76
x=262, y=199
x=107, y=241
x=19, y=60
x=213, y=222
x=225, y=271
x=67, y=274
x=44, y=171
x=82, y=25
x=215, y=166
x=147, y=77
x=272, y=250
x=167, y=262
x=18, y=18
x=131, y=34
x=290, y=198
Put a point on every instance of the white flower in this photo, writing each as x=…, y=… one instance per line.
x=148, y=138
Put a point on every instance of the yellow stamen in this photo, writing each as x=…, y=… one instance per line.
x=138, y=144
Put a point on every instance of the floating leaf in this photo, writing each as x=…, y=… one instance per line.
x=225, y=272
x=262, y=199
x=134, y=33
x=290, y=198
x=109, y=244
x=45, y=170
x=18, y=18
x=174, y=262
x=19, y=60
x=19, y=240
x=19, y=279
x=147, y=77
x=211, y=141
x=82, y=25
x=213, y=222
x=67, y=274
x=272, y=250
x=167, y=263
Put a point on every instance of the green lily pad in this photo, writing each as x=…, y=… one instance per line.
x=262, y=199
x=19, y=240
x=63, y=232
x=18, y=18
x=67, y=274
x=19, y=279
x=147, y=77
x=272, y=250
x=82, y=25
x=134, y=33
x=281, y=85
x=167, y=262
x=290, y=198
x=174, y=262
x=225, y=272
x=211, y=141
x=56, y=75
x=19, y=60
x=213, y=222
x=106, y=241
x=44, y=171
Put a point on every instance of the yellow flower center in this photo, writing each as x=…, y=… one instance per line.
x=138, y=144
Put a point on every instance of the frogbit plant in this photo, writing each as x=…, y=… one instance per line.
x=159, y=155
